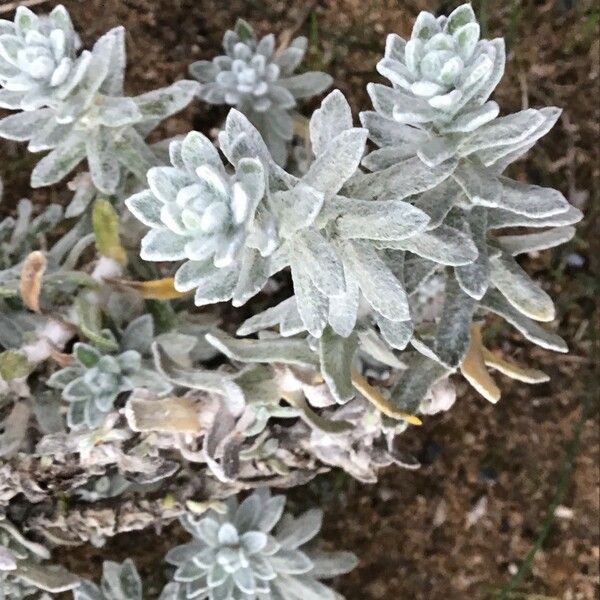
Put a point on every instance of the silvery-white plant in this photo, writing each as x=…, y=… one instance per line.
x=94, y=380
x=436, y=119
x=23, y=570
x=313, y=223
x=119, y=582
x=88, y=116
x=255, y=551
x=443, y=70
x=259, y=81
x=201, y=214
x=39, y=64
x=395, y=257
x=316, y=225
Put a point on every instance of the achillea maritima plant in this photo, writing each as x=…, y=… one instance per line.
x=366, y=259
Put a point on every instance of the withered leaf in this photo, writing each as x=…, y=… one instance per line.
x=30, y=284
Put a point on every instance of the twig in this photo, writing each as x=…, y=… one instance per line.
x=308, y=8
x=14, y=5
x=288, y=34
x=516, y=11
x=483, y=17
x=524, y=90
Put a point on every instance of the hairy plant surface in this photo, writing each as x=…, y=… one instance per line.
x=127, y=387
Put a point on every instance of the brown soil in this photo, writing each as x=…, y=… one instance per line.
x=417, y=533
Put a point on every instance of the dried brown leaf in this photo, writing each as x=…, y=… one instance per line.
x=474, y=370
x=381, y=403
x=30, y=284
x=513, y=370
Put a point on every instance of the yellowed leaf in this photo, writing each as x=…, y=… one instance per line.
x=513, y=370
x=30, y=284
x=157, y=289
x=198, y=507
x=380, y=402
x=13, y=365
x=167, y=415
x=105, y=222
x=474, y=370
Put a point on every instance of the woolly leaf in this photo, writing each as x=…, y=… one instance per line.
x=312, y=304
x=502, y=131
x=337, y=162
x=161, y=103
x=380, y=287
x=452, y=337
x=287, y=351
x=336, y=354
x=444, y=245
x=332, y=118
x=380, y=220
x=197, y=379
x=474, y=277
x=520, y=290
x=495, y=302
x=396, y=333
x=61, y=161
x=531, y=200
x=534, y=242
x=415, y=382
x=498, y=219
x=320, y=260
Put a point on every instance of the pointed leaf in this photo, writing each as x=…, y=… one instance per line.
x=60, y=161
x=320, y=261
x=502, y=131
x=378, y=284
x=328, y=121
x=337, y=162
x=531, y=200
